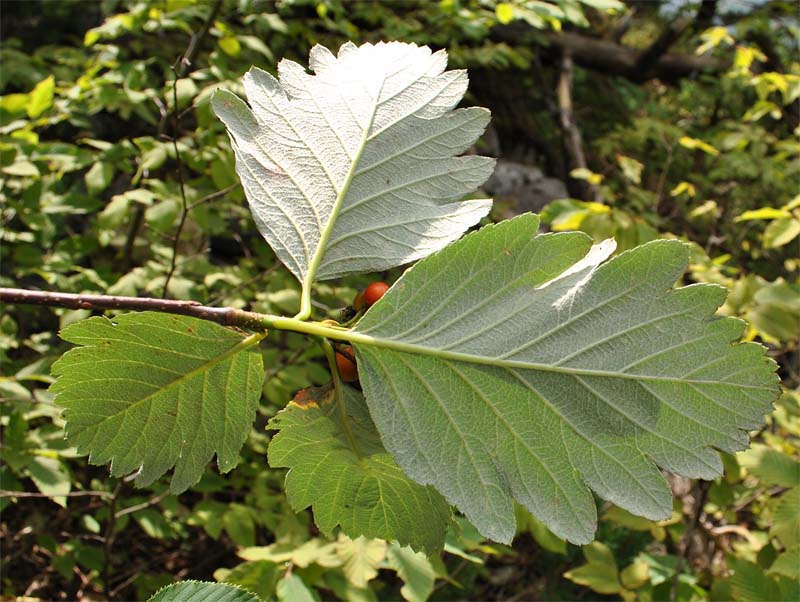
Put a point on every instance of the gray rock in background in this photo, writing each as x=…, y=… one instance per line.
x=518, y=188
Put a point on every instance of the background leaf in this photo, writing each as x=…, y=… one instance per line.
x=415, y=570
x=771, y=466
x=510, y=366
x=361, y=558
x=292, y=589
x=600, y=571
x=367, y=496
x=358, y=157
x=148, y=391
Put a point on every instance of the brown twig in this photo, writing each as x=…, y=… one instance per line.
x=182, y=65
x=227, y=316
x=176, y=239
x=151, y=502
x=10, y=493
x=133, y=232
x=701, y=489
x=260, y=276
x=185, y=62
x=572, y=135
x=212, y=197
x=108, y=540
x=648, y=59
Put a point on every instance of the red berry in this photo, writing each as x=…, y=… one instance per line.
x=374, y=292
x=348, y=371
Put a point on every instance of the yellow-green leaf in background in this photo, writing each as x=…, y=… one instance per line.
x=761, y=108
x=763, y=213
x=41, y=97
x=745, y=55
x=683, y=187
x=631, y=168
x=696, y=143
x=582, y=173
x=14, y=103
x=361, y=557
x=781, y=232
x=99, y=177
x=230, y=45
x=705, y=209
x=259, y=577
x=600, y=571
x=635, y=575
x=569, y=214
x=504, y=12
x=713, y=37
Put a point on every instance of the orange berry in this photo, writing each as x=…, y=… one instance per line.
x=348, y=371
x=374, y=292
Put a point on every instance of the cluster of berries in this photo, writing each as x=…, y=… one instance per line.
x=345, y=357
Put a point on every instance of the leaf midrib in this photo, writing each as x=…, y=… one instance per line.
x=204, y=367
x=357, y=338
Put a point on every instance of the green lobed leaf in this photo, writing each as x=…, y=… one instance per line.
x=353, y=169
x=513, y=366
x=190, y=591
x=367, y=496
x=149, y=392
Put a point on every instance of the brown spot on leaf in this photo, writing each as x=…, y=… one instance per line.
x=313, y=397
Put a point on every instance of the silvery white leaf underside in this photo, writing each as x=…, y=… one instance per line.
x=355, y=168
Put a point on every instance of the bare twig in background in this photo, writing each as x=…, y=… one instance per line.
x=185, y=62
x=151, y=502
x=572, y=135
x=108, y=541
x=181, y=67
x=10, y=493
x=611, y=58
x=649, y=58
x=213, y=196
x=700, y=490
x=260, y=276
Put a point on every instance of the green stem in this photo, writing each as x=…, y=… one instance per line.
x=313, y=267
x=338, y=393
